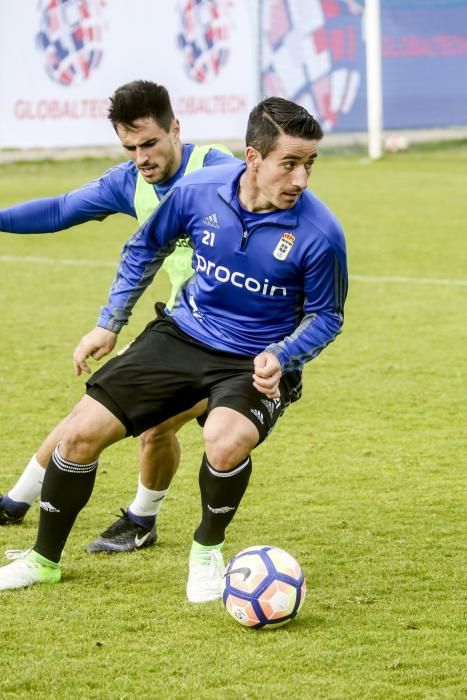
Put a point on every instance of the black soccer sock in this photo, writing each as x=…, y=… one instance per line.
x=221, y=493
x=66, y=489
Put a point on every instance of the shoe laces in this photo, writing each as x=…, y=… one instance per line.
x=123, y=515
x=120, y=524
x=213, y=567
x=16, y=553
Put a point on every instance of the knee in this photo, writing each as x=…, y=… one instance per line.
x=81, y=437
x=77, y=445
x=229, y=437
x=223, y=451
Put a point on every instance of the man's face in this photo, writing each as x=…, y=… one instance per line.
x=155, y=152
x=282, y=176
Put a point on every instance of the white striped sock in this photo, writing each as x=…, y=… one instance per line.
x=73, y=467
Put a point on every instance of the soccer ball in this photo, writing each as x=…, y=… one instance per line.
x=263, y=587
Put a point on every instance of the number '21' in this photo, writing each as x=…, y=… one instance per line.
x=208, y=238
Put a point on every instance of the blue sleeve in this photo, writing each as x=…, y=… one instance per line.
x=109, y=194
x=141, y=257
x=325, y=294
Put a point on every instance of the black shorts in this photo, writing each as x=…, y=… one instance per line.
x=164, y=372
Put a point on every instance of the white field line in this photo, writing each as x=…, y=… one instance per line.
x=409, y=280
x=55, y=261
x=358, y=278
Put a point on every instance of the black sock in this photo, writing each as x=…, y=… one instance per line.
x=66, y=489
x=221, y=493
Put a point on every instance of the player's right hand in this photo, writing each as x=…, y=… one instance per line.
x=97, y=343
x=267, y=374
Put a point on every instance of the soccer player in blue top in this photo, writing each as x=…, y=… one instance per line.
x=142, y=116
x=266, y=295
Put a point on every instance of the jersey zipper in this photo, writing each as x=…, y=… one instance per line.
x=245, y=233
x=244, y=238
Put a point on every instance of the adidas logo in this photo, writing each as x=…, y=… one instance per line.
x=211, y=220
x=45, y=505
x=270, y=406
x=258, y=414
x=223, y=509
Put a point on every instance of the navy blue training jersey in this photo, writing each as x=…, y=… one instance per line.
x=274, y=281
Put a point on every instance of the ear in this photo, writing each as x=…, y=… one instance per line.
x=175, y=128
x=252, y=157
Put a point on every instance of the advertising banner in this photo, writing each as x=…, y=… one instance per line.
x=313, y=52
x=424, y=63
x=61, y=59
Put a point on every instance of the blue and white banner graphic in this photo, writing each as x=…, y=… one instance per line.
x=313, y=51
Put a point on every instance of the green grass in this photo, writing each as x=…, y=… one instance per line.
x=363, y=481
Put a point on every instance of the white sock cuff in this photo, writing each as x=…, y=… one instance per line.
x=147, y=502
x=232, y=472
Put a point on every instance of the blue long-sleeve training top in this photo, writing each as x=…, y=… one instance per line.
x=274, y=281
x=112, y=193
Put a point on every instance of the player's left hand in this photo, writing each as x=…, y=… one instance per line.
x=267, y=374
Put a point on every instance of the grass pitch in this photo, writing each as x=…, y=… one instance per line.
x=363, y=481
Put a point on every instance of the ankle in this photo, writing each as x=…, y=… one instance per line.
x=40, y=559
x=146, y=521
x=202, y=552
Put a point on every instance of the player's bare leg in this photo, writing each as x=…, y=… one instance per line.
x=159, y=460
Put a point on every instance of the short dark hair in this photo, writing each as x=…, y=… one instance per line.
x=140, y=99
x=274, y=116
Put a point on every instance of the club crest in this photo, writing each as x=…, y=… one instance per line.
x=284, y=246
